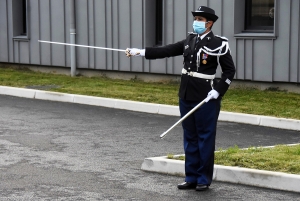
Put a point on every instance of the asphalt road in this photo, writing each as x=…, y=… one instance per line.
x=64, y=151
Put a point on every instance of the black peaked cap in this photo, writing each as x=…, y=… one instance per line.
x=206, y=12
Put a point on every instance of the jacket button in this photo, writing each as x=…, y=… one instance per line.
x=192, y=55
x=189, y=68
x=191, y=62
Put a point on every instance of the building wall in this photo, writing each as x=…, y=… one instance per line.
x=268, y=58
x=131, y=23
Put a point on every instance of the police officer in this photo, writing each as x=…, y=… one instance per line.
x=202, y=52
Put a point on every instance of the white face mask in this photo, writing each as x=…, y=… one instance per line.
x=199, y=27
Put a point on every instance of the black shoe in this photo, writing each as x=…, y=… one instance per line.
x=201, y=187
x=187, y=185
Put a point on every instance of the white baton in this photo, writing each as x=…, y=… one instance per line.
x=102, y=48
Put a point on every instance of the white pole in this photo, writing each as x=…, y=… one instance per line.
x=183, y=118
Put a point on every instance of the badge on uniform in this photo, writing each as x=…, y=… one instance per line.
x=204, y=57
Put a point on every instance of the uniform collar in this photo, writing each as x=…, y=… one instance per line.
x=203, y=36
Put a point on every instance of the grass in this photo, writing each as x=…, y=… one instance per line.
x=163, y=93
x=281, y=158
x=250, y=101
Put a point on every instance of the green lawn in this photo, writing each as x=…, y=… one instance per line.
x=250, y=101
x=281, y=158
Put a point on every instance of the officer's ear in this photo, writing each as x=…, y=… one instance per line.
x=210, y=23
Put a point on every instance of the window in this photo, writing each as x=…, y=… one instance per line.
x=159, y=21
x=153, y=22
x=259, y=16
x=20, y=19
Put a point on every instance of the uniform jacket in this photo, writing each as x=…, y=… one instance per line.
x=201, y=58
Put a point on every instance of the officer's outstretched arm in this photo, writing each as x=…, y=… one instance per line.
x=134, y=52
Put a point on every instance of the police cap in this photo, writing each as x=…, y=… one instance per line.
x=206, y=12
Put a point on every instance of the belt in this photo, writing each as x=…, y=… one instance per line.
x=198, y=75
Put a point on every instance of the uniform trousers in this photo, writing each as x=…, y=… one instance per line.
x=199, y=131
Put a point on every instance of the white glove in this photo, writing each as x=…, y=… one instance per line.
x=134, y=52
x=213, y=94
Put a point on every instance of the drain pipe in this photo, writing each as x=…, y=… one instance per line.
x=73, y=38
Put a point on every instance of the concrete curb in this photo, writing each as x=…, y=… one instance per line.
x=259, y=120
x=238, y=175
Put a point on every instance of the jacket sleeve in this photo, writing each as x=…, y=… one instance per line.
x=228, y=72
x=165, y=51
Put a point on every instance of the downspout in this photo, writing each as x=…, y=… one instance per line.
x=73, y=38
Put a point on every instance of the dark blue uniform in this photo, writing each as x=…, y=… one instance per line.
x=199, y=67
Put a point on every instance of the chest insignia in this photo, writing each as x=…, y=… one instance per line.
x=204, y=57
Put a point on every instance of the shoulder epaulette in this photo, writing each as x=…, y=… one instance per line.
x=222, y=37
x=192, y=33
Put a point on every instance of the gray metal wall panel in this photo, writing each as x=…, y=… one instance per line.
x=201, y=3
x=240, y=62
x=67, y=33
x=16, y=52
x=262, y=65
x=218, y=6
x=34, y=26
x=82, y=30
x=115, y=33
x=109, y=33
x=10, y=32
x=101, y=34
x=294, y=30
x=190, y=6
x=45, y=30
x=148, y=31
x=23, y=47
x=58, y=31
x=124, y=31
x=248, y=57
x=239, y=15
x=158, y=66
x=169, y=36
x=4, y=47
x=180, y=21
x=228, y=26
x=298, y=63
x=91, y=25
x=180, y=32
x=282, y=43
x=136, y=34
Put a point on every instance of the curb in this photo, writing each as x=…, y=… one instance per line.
x=237, y=175
x=259, y=120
